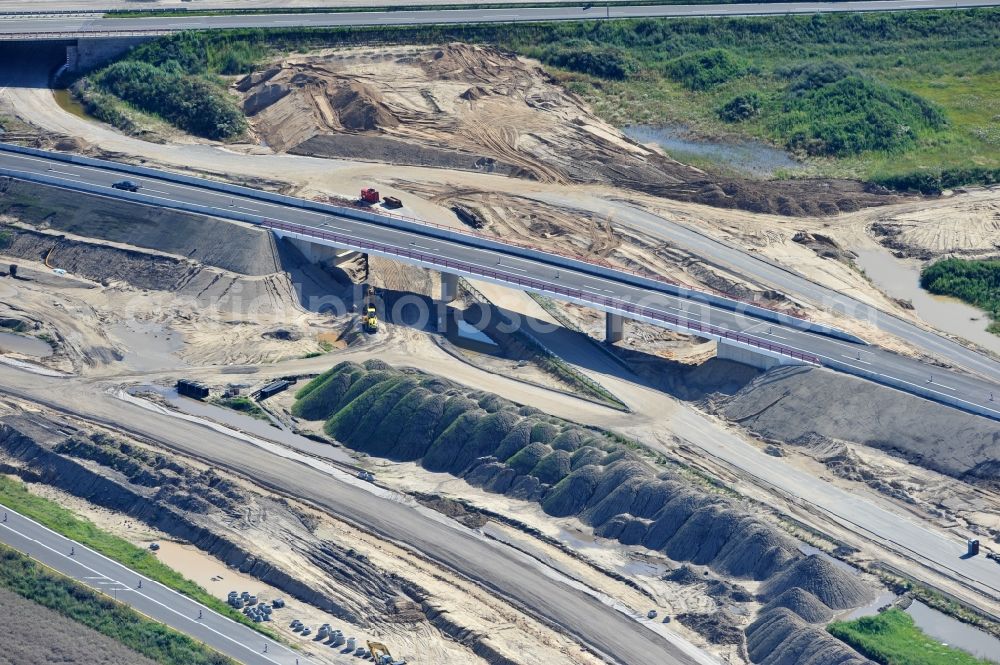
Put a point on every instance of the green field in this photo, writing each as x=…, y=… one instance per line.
x=907, y=98
x=975, y=282
x=891, y=638
x=30, y=580
x=14, y=495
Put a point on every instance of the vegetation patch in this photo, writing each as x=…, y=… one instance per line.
x=15, y=496
x=243, y=405
x=28, y=579
x=975, y=282
x=190, y=102
x=706, y=70
x=892, y=638
x=829, y=110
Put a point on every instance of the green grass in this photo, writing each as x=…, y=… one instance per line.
x=243, y=405
x=892, y=638
x=14, y=495
x=915, y=108
x=32, y=581
x=146, y=13
x=975, y=282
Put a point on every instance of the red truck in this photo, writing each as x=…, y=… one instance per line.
x=369, y=195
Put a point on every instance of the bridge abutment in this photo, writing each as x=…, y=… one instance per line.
x=449, y=287
x=762, y=361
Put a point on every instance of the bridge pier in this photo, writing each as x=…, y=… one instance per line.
x=761, y=361
x=449, y=287
x=614, y=328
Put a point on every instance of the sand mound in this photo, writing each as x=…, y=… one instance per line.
x=803, y=603
x=832, y=585
x=780, y=637
x=477, y=108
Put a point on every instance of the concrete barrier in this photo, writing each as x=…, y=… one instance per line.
x=454, y=235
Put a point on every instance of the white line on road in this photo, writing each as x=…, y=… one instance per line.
x=855, y=359
x=83, y=548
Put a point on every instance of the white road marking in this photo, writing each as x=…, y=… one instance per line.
x=856, y=359
x=75, y=560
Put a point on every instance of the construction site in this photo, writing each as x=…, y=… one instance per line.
x=287, y=420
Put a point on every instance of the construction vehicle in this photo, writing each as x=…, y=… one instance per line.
x=380, y=654
x=391, y=202
x=369, y=195
x=371, y=313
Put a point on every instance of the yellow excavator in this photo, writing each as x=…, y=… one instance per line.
x=380, y=654
x=370, y=314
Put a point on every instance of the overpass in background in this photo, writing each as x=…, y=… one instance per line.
x=745, y=332
x=22, y=26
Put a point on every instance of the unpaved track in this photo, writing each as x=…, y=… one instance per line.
x=608, y=631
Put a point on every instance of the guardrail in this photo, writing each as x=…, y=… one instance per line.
x=385, y=218
x=619, y=306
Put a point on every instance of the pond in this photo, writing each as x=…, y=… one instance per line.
x=954, y=633
x=901, y=279
x=29, y=346
x=750, y=158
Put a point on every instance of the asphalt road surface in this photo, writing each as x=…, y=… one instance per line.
x=506, y=572
x=599, y=291
x=153, y=599
x=55, y=27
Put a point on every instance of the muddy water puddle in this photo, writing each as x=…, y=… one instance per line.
x=955, y=633
x=751, y=158
x=29, y=346
x=67, y=102
x=901, y=279
x=148, y=346
x=247, y=424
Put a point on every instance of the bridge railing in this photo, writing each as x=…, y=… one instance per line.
x=623, y=306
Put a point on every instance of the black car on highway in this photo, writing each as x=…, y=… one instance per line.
x=126, y=185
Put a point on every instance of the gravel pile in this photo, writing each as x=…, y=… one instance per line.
x=575, y=471
x=835, y=587
x=780, y=637
x=807, y=606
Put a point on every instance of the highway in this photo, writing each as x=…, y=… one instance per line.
x=763, y=271
x=504, y=571
x=153, y=599
x=607, y=291
x=14, y=26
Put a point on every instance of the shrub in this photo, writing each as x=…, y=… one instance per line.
x=706, y=69
x=607, y=63
x=189, y=102
x=975, y=282
x=740, y=108
x=853, y=115
x=934, y=182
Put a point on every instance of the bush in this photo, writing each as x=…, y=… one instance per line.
x=852, y=115
x=189, y=102
x=607, y=63
x=975, y=282
x=706, y=69
x=934, y=182
x=741, y=108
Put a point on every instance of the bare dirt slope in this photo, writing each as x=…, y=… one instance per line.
x=477, y=108
x=36, y=635
x=793, y=405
